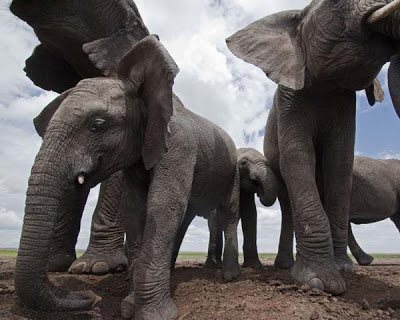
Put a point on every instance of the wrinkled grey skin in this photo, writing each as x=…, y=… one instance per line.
x=326, y=53
x=81, y=40
x=256, y=177
x=375, y=197
x=170, y=157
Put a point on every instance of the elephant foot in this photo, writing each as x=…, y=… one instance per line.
x=344, y=263
x=166, y=310
x=284, y=261
x=230, y=271
x=254, y=263
x=100, y=264
x=364, y=259
x=323, y=276
x=213, y=263
x=60, y=262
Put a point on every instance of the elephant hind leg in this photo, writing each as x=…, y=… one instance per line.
x=362, y=258
x=215, y=244
x=396, y=220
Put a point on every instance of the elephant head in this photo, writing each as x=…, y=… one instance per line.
x=256, y=176
x=79, y=39
x=97, y=128
x=331, y=44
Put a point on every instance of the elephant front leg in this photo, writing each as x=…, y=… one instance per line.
x=105, y=252
x=362, y=258
x=215, y=243
x=248, y=216
x=315, y=264
x=166, y=204
x=284, y=258
x=337, y=171
x=62, y=251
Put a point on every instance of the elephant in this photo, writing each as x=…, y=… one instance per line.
x=326, y=52
x=375, y=196
x=174, y=162
x=78, y=41
x=256, y=177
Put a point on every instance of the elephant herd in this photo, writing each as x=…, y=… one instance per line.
x=117, y=122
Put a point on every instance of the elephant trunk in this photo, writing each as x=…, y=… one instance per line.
x=390, y=27
x=47, y=185
x=268, y=186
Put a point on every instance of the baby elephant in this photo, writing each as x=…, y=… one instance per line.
x=175, y=164
x=375, y=197
x=256, y=177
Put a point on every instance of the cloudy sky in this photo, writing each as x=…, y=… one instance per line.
x=212, y=82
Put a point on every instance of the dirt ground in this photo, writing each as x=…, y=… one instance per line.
x=372, y=293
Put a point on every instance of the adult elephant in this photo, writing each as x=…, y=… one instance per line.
x=175, y=163
x=326, y=53
x=80, y=40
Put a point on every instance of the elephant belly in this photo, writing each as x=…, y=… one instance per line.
x=374, y=197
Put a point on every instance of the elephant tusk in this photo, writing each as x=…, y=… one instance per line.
x=81, y=178
x=384, y=12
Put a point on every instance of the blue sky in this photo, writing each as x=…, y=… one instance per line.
x=212, y=82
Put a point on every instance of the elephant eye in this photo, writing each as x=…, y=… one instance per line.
x=243, y=162
x=97, y=124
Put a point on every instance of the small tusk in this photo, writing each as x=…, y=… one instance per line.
x=384, y=12
x=81, y=179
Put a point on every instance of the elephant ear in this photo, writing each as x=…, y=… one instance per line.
x=50, y=72
x=151, y=70
x=375, y=92
x=272, y=44
x=394, y=82
x=106, y=53
x=42, y=120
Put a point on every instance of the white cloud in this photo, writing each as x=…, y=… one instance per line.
x=212, y=82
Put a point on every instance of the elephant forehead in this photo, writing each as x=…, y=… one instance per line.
x=90, y=96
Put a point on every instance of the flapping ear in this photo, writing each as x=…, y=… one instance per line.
x=106, y=53
x=50, y=72
x=150, y=68
x=42, y=120
x=394, y=82
x=375, y=92
x=271, y=44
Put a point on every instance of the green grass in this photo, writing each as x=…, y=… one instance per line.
x=10, y=253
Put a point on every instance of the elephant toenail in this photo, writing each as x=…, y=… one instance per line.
x=348, y=268
x=78, y=268
x=336, y=287
x=316, y=283
x=100, y=268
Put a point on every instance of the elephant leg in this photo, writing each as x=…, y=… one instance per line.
x=284, y=258
x=228, y=213
x=337, y=169
x=133, y=215
x=167, y=202
x=315, y=263
x=396, y=220
x=362, y=258
x=105, y=252
x=189, y=216
x=248, y=216
x=62, y=251
x=215, y=244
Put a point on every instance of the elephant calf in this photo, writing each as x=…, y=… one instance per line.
x=256, y=177
x=175, y=164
